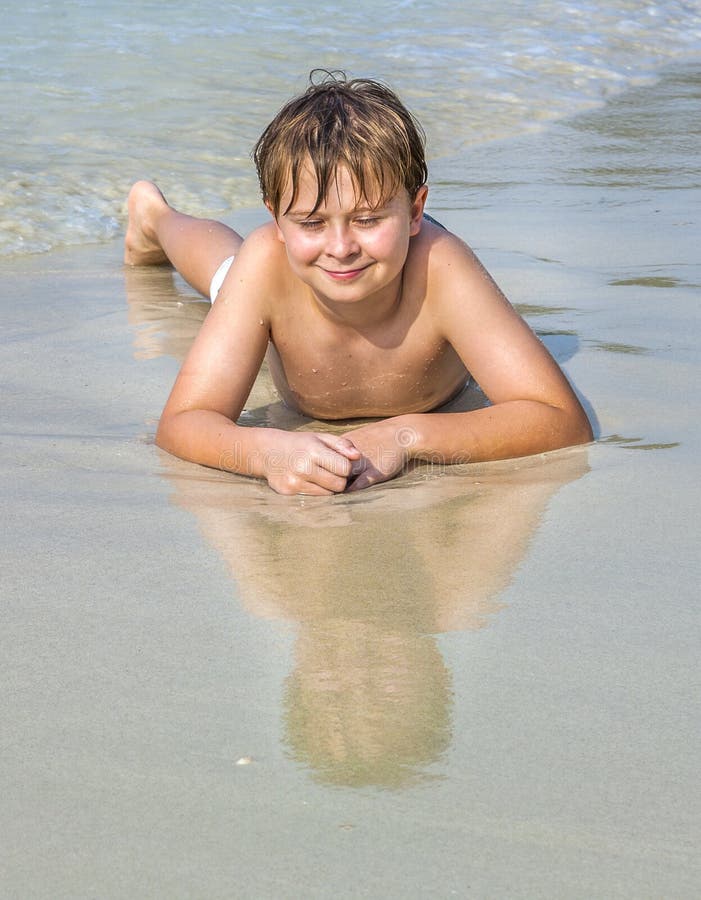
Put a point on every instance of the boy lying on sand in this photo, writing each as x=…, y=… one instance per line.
x=366, y=308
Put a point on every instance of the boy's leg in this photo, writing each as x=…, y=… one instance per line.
x=159, y=234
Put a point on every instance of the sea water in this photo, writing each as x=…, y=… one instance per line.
x=96, y=94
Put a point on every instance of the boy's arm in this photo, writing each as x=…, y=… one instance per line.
x=533, y=409
x=199, y=419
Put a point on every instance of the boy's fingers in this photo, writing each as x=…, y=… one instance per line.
x=333, y=460
x=325, y=468
x=322, y=481
x=341, y=444
x=335, y=464
x=319, y=483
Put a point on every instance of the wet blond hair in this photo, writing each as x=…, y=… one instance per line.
x=360, y=124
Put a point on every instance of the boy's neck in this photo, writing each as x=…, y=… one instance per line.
x=370, y=312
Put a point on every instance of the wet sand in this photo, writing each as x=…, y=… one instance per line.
x=479, y=682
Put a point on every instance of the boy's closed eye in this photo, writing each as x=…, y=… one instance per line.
x=362, y=221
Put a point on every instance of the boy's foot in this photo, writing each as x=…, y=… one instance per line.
x=141, y=247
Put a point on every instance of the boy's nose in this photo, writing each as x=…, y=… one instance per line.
x=341, y=243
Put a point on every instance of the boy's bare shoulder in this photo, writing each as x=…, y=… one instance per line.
x=442, y=249
x=451, y=271
x=260, y=267
x=262, y=243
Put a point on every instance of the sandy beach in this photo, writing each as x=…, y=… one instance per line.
x=478, y=682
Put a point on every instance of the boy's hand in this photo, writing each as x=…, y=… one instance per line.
x=385, y=447
x=310, y=463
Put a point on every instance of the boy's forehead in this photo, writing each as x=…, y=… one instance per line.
x=341, y=189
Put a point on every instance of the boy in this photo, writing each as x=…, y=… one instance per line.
x=365, y=308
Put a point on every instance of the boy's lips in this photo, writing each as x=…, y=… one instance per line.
x=345, y=274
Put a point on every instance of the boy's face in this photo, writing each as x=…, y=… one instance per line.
x=348, y=251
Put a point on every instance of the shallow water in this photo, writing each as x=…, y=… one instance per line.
x=94, y=95
x=475, y=682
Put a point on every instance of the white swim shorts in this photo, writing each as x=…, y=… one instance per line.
x=219, y=277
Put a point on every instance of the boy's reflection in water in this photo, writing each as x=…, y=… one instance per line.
x=367, y=706
x=369, y=578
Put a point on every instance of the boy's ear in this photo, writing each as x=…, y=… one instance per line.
x=417, y=210
x=270, y=209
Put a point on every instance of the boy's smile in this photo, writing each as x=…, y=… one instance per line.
x=349, y=249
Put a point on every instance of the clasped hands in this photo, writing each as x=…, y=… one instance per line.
x=321, y=463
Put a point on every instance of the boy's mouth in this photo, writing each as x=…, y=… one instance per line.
x=345, y=274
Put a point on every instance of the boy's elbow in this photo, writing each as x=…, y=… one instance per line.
x=587, y=433
x=160, y=439
x=578, y=430
x=164, y=432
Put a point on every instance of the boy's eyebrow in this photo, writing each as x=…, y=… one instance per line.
x=304, y=214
